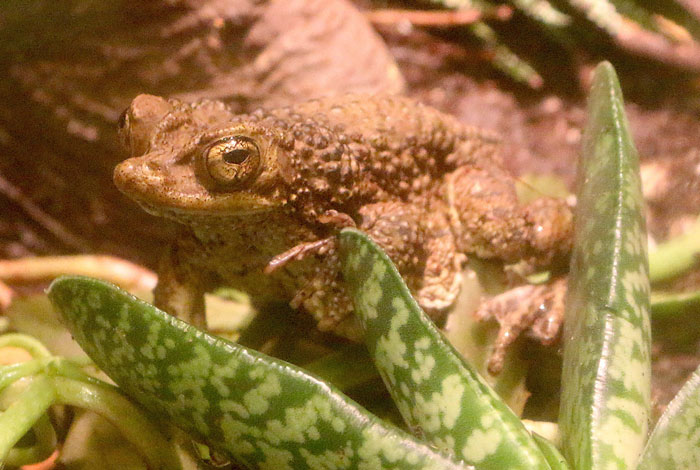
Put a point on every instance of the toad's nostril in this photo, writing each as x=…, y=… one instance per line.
x=123, y=119
x=138, y=177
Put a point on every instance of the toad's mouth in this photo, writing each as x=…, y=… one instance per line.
x=167, y=194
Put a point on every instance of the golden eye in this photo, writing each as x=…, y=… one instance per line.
x=232, y=161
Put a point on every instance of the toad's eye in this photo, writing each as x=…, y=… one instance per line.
x=123, y=120
x=232, y=161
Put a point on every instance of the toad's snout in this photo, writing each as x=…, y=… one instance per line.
x=139, y=178
x=134, y=177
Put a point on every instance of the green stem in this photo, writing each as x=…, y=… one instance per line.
x=69, y=368
x=664, y=305
x=52, y=366
x=21, y=415
x=14, y=372
x=42, y=448
x=32, y=345
x=131, y=422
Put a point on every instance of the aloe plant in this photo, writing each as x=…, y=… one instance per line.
x=675, y=443
x=265, y=413
x=607, y=366
x=440, y=396
x=261, y=411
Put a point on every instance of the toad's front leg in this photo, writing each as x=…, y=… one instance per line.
x=418, y=239
x=180, y=289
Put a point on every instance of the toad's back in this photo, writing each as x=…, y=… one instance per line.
x=373, y=148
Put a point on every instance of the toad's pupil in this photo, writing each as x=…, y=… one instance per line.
x=236, y=156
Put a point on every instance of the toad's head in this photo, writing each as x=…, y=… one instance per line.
x=197, y=159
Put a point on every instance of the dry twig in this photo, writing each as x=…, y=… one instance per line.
x=116, y=270
x=437, y=17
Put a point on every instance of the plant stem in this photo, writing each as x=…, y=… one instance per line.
x=19, y=417
x=669, y=305
x=40, y=450
x=157, y=451
x=31, y=345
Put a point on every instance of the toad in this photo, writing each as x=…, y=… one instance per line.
x=261, y=197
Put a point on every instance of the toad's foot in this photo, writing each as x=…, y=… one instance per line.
x=538, y=309
x=299, y=252
x=332, y=218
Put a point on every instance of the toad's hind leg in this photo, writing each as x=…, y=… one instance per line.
x=419, y=241
x=491, y=223
x=536, y=308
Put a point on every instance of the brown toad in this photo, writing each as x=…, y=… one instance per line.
x=261, y=197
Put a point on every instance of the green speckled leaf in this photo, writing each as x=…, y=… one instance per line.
x=263, y=412
x=551, y=453
x=440, y=396
x=675, y=442
x=606, y=378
